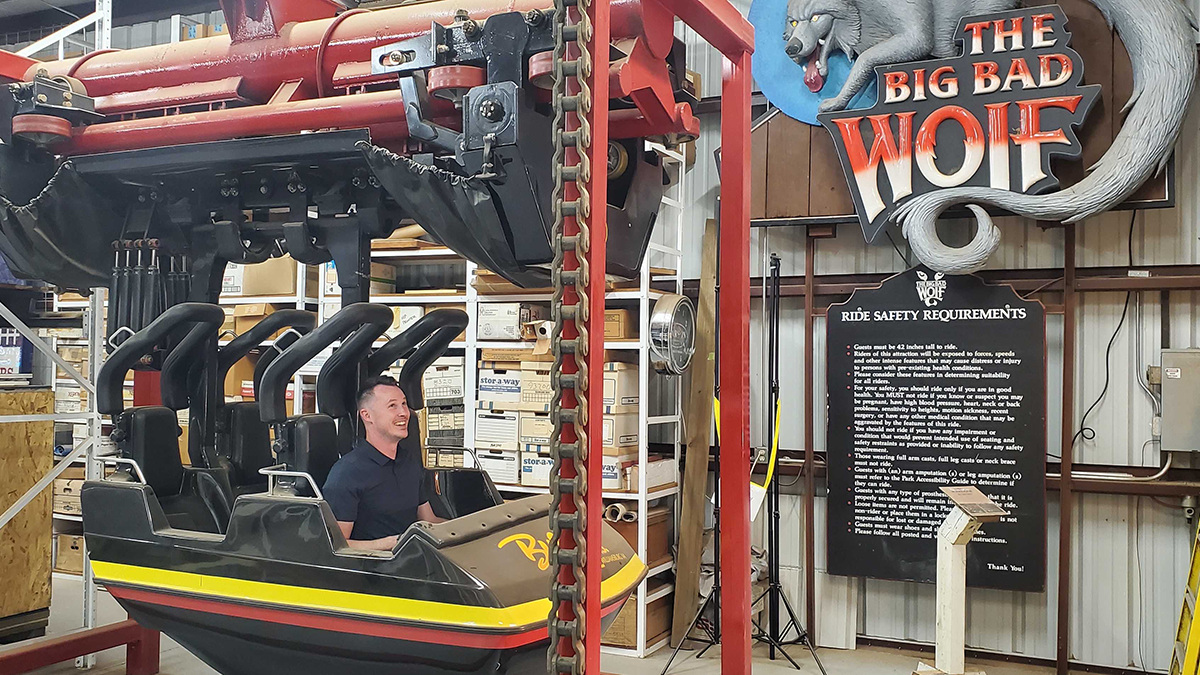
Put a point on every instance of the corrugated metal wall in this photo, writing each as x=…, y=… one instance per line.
x=1130, y=555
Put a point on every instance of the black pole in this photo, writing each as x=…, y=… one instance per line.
x=771, y=300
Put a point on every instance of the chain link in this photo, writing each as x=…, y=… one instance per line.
x=577, y=101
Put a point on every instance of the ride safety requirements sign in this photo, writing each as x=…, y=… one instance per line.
x=936, y=380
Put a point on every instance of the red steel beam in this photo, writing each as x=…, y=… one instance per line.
x=599, y=13
x=734, y=365
x=14, y=67
x=292, y=55
x=40, y=653
x=718, y=22
x=381, y=112
x=1066, y=498
x=810, y=482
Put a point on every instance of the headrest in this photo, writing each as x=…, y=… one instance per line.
x=273, y=396
x=111, y=379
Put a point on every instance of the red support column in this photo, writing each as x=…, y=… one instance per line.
x=597, y=186
x=734, y=369
x=141, y=656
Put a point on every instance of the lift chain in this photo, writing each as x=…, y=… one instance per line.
x=571, y=96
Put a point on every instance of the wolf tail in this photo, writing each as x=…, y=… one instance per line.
x=1159, y=37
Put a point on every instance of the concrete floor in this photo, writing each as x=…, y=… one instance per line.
x=66, y=611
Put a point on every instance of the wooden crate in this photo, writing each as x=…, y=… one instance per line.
x=27, y=454
x=68, y=553
x=623, y=631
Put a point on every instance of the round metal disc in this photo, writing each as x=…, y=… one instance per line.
x=41, y=129
x=451, y=82
x=541, y=70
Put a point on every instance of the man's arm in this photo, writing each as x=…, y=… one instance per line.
x=384, y=544
x=425, y=513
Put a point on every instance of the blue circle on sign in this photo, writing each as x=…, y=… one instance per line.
x=782, y=79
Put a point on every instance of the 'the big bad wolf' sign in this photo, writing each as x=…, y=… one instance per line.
x=991, y=117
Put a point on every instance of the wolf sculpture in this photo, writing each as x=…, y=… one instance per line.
x=1158, y=34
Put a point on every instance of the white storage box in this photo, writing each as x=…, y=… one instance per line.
x=499, y=385
x=535, y=468
x=503, y=320
x=443, y=381
x=404, y=316
x=496, y=430
x=613, y=475
x=658, y=473
x=536, y=430
x=620, y=430
x=536, y=389
x=503, y=466
x=620, y=384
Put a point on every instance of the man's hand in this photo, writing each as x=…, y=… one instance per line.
x=425, y=513
x=384, y=544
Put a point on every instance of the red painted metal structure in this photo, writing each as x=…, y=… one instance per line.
x=269, y=77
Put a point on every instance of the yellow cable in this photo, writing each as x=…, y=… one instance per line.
x=774, y=440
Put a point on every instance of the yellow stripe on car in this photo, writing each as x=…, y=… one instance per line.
x=346, y=602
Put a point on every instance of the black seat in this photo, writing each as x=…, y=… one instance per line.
x=243, y=439
x=191, y=498
x=309, y=443
x=461, y=492
x=314, y=445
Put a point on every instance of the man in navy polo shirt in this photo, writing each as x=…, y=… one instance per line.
x=379, y=488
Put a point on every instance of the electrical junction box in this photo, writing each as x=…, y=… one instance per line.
x=1181, y=400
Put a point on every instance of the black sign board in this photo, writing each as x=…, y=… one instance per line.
x=936, y=380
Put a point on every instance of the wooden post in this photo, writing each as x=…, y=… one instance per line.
x=953, y=535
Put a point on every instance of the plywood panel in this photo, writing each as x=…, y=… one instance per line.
x=830, y=193
x=758, y=172
x=788, y=167
x=26, y=454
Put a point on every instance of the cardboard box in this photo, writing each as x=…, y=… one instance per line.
x=536, y=390
x=619, y=324
x=658, y=472
x=66, y=496
x=193, y=31
x=613, y=473
x=444, y=458
x=499, y=384
x=515, y=355
x=240, y=372
x=276, y=276
x=404, y=316
x=620, y=385
x=383, y=279
x=445, y=425
x=497, y=430
x=620, y=431
x=536, y=468
x=658, y=535
x=444, y=381
x=537, y=429
x=503, y=466
x=623, y=630
x=248, y=316
x=230, y=324
x=68, y=553
x=503, y=320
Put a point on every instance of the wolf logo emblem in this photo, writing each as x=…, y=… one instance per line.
x=931, y=291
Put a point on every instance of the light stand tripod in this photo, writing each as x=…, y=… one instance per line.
x=773, y=636
x=712, y=629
